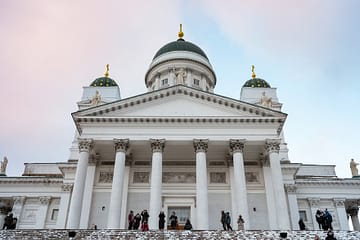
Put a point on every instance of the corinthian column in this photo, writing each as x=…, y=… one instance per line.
x=272, y=147
x=202, y=208
x=85, y=146
x=157, y=147
x=121, y=146
x=237, y=147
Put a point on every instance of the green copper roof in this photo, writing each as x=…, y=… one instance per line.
x=103, y=82
x=180, y=45
x=257, y=82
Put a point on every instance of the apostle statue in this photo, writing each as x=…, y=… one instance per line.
x=96, y=99
x=353, y=167
x=265, y=101
x=180, y=76
x=3, y=166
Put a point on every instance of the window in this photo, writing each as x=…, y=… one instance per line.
x=54, y=214
x=164, y=82
x=196, y=82
x=302, y=214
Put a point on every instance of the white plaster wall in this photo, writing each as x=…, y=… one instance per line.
x=259, y=215
x=98, y=214
x=108, y=94
x=217, y=203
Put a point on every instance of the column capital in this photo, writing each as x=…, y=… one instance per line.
x=272, y=146
x=237, y=145
x=314, y=202
x=44, y=200
x=201, y=145
x=339, y=202
x=85, y=144
x=66, y=187
x=19, y=200
x=121, y=145
x=290, y=188
x=157, y=145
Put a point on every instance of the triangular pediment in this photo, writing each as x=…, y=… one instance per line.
x=179, y=101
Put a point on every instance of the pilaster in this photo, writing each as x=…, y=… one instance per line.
x=314, y=206
x=293, y=205
x=42, y=211
x=341, y=212
x=66, y=189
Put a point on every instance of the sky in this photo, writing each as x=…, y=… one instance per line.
x=309, y=50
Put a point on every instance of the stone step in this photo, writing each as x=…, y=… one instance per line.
x=35, y=234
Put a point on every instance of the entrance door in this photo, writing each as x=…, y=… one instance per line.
x=182, y=213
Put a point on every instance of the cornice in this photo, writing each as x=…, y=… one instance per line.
x=328, y=182
x=30, y=180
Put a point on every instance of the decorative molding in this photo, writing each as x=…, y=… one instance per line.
x=85, y=144
x=201, y=145
x=290, y=188
x=32, y=180
x=179, y=177
x=272, y=146
x=237, y=145
x=44, y=200
x=353, y=211
x=252, y=177
x=121, y=145
x=327, y=182
x=19, y=200
x=339, y=203
x=67, y=187
x=314, y=202
x=217, y=177
x=141, y=177
x=106, y=177
x=157, y=145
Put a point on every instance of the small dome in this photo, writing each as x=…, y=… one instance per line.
x=180, y=45
x=103, y=82
x=257, y=83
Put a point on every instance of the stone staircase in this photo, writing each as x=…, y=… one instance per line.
x=51, y=234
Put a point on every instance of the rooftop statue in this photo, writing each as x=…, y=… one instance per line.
x=96, y=99
x=180, y=76
x=3, y=166
x=265, y=101
x=353, y=167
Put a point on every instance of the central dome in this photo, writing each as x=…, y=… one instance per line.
x=180, y=45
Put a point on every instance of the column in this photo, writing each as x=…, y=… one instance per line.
x=353, y=211
x=272, y=147
x=157, y=148
x=202, y=208
x=237, y=148
x=17, y=208
x=88, y=193
x=85, y=145
x=66, y=189
x=121, y=146
x=42, y=212
x=123, y=216
x=293, y=206
x=270, y=197
x=341, y=212
x=3, y=214
x=314, y=206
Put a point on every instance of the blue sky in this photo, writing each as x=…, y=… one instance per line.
x=309, y=50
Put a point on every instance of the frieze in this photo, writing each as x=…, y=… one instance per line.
x=314, y=202
x=121, y=145
x=141, y=177
x=237, y=145
x=157, y=145
x=217, y=177
x=106, y=177
x=44, y=200
x=201, y=145
x=179, y=177
x=252, y=177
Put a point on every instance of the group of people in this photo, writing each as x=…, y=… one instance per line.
x=10, y=222
x=136, y=220
x=324, y=219
x=226, y=221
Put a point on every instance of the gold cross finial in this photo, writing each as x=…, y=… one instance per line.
x=107, y=71
x=181, y=34
x=253, y=72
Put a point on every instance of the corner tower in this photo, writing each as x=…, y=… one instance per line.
x=180, y=62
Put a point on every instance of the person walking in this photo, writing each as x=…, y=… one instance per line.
x=161, y=220
x=222, y=220
x=240, y=223
x=228, y=221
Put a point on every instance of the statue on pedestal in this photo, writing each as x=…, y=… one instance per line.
x=265, y=101
x=354, y=169
x=3, y=166
x=96, y=99
x=180, y=76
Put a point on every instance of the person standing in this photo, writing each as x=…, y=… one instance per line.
x=302, y=224
x=228, y=221
x=8, y=221
x=188, y=225
x=131, y=220
x=137, y=220
x=222, y=219
x=240, y=223
x=173, y=221
x=161, y=220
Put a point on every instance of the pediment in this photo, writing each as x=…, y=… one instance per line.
x=179, y=101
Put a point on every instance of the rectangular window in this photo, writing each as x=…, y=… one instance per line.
x=196, y=82
x=54, y=214
x=164, y=82
x=302, y=214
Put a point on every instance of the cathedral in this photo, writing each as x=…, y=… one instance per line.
x=182, y=148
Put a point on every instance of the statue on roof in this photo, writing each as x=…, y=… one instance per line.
x=265, y=101
x=96, y=99
x=3, y=166
x=180, y=76
x=353, y=167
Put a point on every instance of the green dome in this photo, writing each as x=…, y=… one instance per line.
x=180, y=45
x=103, y=82
x=257, y=83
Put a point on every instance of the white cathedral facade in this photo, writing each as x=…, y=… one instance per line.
x=179, y=147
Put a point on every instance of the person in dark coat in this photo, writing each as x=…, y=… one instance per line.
x=320, y=218
x=161, y=220
x=188, y=225
x=330, y=236
x=137, y=220
x=173, y=221
x=327, y=220
x=144, y=216
x=222, y=220
x=131, y=220
x=301, y=224
x=8, y=221
x=228, y=221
